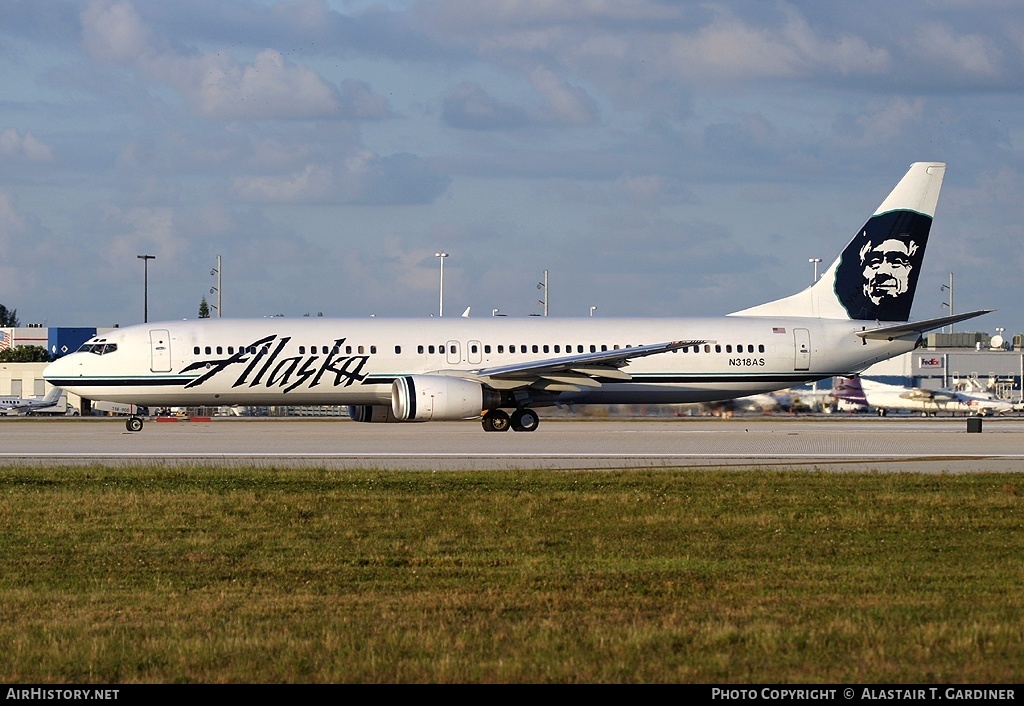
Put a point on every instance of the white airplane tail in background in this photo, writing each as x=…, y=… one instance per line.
x=875, y=277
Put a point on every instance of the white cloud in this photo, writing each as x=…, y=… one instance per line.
x=213, y=82
x=882, y=122
x=730, y=48
x=569, y=105
x=311, y=184
x=267, y=88
x=113, y=31
x=466, y=15
x=135, y=231
x=970, y=54
x=13, y=144
x=469, y=106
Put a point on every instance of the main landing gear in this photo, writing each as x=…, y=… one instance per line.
x=523, y=419
x=133, y=424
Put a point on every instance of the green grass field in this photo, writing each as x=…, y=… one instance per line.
x=207, y=575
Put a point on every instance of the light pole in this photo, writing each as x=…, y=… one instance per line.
x=592, y=310
x=815, y=260
x=216, y=271
x=440, y=307
x=814, y=385
x=544, y=285
x=949, y=287
x=145, y=285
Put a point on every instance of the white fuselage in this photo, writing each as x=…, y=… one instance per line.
x=279, y=361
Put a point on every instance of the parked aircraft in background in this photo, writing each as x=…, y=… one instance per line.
x=764, y=403
x=502, y=369
x=884, y=398
x=795, y=400
x=18, y=405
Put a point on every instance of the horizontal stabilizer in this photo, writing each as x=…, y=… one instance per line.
x=889, y=333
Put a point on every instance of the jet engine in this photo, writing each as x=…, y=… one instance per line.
x=421, y=398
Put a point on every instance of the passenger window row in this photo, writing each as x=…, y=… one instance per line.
x=220, y=350
x=728, y=348
x=500, y=349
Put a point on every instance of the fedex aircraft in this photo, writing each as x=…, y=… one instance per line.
x=502, y=370
x=884, y=398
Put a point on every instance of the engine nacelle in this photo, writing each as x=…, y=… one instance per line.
x=422, y=398
x=376, y=414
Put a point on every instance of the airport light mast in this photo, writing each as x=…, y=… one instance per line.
x=949, y=287
x=145, y=285
x=216, y=271
x=544, y=285
x=440, y=307
x=815, y=260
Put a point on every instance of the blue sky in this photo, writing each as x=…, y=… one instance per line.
x=656, y=158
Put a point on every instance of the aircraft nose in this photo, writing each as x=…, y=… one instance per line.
x=59, y=368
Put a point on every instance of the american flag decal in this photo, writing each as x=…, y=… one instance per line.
x=777, y=329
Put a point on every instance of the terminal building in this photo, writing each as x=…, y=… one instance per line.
x=945, y=360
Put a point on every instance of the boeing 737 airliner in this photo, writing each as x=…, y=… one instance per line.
x=502, y=369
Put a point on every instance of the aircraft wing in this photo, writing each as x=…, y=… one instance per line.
x=572, y=372
x=918, y=328
x=917, y=393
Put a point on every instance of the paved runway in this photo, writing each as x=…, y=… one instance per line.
x=932, y=445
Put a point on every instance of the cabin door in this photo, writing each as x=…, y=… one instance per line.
x=160, y=347
x=802, y=355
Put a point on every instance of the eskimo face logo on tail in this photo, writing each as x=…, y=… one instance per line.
x=878, y=271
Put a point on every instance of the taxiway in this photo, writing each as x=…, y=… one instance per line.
x=933, y=445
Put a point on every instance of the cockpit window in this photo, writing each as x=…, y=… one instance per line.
x=98, y=347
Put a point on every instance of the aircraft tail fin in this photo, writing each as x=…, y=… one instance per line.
x=53, y=396
x=849, y=389
x=875, y=276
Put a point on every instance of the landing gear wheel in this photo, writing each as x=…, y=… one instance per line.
x=525, y=419
x=496, y=420
x=133, y=424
